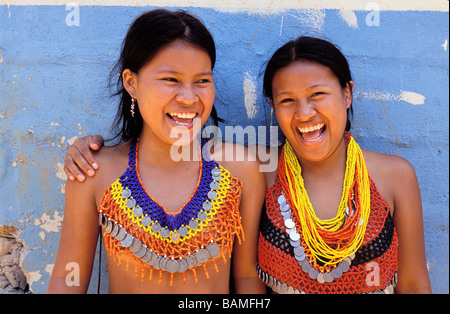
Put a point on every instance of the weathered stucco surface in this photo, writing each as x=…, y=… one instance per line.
x=55, y=60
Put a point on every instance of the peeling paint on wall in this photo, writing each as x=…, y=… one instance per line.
x=409, y=97
x=412, y=98
x=398, y=53
x=60, y=174
x=262, y=6
x=48, y=223
x=349, y=17
x=310, y=19
x=250, y=95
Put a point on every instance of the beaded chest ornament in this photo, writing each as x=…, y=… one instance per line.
x=330, y=241
x=300, y=253
x=136, y=225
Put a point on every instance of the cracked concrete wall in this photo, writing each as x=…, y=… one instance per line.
x=53, y=77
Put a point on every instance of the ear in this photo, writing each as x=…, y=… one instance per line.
x=271, y=103
x=129, y=80
x=348, y=93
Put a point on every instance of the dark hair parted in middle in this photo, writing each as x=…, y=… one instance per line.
x=309, y=49
x=147, y=35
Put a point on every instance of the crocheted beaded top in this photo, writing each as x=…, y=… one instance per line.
x=137, y=226
x=285, y=264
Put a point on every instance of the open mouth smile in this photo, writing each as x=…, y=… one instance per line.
x=182, y=118
x=312, y=134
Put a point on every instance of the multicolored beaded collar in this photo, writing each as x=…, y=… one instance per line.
x=136, y=225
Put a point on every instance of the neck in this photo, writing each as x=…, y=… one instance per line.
x=334, y=165
x=166, y=155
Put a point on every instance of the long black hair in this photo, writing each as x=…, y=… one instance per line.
x=310, y=49
x=147, y=35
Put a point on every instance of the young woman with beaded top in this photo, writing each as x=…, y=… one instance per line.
x=338, y=219
x=169, y=226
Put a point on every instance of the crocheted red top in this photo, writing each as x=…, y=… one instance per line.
x=139, y=228
x=284, y=266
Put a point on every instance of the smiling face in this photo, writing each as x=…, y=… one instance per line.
x=311, y=108
x=173, y=90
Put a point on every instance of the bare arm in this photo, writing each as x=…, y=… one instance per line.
x=78, y=241
x=408, y=219
x=245, y=256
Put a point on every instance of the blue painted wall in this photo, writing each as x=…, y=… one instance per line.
x=53, y=80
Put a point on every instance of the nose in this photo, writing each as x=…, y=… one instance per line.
x=187, y=95
x=305, y=110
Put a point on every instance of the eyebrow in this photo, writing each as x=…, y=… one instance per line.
x=282, y=93
x=309, y=88
x=177, y=73
x=317, y=85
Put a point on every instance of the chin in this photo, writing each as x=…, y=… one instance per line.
x=182, y=137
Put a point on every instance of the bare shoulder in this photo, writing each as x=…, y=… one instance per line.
x=393, y=176
x=114, y=153
x=389, y=166
x=269, y=157
x=238, y=159
x=113, y=161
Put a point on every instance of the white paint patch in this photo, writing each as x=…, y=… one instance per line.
x=375, y=95
x=32, y=277
x=312, y=19
x=72, y=139
x=281, y=27
x=60, y=174
x=250, y=95
x=349, y=17
x=62, y=188
x=49, y=268
x=255, y=6
x=409, y=97
x=48, y=223
x=445, y=45
x=412, y=98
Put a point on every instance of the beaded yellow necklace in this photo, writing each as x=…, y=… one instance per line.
x=331, y=240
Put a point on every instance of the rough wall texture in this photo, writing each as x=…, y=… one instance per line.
x=55, y=60
x=12, y=278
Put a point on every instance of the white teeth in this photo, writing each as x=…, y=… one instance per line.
x=183, y=115
x=311, y=128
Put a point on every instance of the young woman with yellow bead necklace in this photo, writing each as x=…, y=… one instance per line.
x=168, y=226
x=338, y=218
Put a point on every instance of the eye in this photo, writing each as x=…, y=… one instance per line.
x=170, y=79
x=204, y=81
x=318, y=94
x=286, y=101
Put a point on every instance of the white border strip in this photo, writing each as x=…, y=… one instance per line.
x=261, y=6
